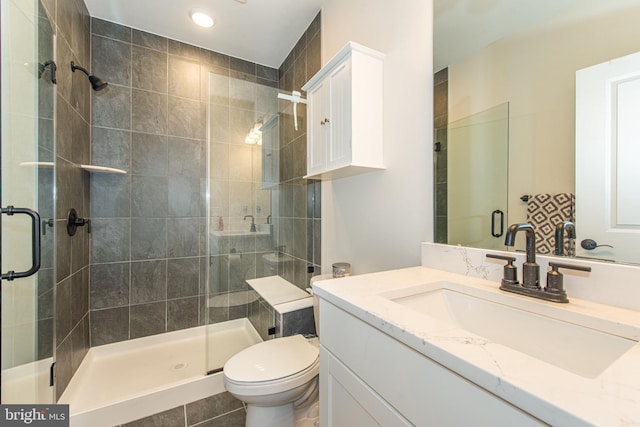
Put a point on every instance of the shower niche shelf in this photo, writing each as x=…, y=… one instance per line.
x=103, y=169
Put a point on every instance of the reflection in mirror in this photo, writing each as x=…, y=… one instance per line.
x=478, y=147
x=531, y=65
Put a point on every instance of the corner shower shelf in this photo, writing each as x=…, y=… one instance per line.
x=103, y=169
x=38, y=164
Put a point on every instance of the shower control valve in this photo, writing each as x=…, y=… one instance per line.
x=73, y=222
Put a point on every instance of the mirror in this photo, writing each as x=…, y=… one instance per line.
x=525, y=53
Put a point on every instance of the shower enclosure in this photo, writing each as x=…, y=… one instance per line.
x=242, y=206
x=28, y=173
x=477, y=190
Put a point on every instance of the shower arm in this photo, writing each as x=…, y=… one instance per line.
x=296, y=98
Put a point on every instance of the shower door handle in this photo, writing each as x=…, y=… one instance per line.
x=493, y=223
x=35, y=243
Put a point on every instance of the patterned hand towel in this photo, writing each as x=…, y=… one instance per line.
x=544, y=212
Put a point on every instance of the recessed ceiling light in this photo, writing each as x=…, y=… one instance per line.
x=201, y=18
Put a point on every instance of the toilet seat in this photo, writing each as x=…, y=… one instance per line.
x=272, y=366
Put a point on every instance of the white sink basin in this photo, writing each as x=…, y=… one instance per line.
x=574, y=342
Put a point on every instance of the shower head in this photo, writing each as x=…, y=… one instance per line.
x=96, y=82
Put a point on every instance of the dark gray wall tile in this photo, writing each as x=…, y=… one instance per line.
x=182, y=237
x=110, y=240
x=109, y=325
x=148, y=238
x=215, y=58
x=148, y=154
x=79, y=295
x=111, y=195
x=184, y=197
x=64, y=365
x=149, y=112
x=148, y=40
x=182, y=49
x=80, y=93
x=79, y=344
x=242, y=66
x=183, y=277
x=66, y=185
x=184, y=77
x=110, y=60
x=149, y=196
x=148, y=69
x=112, y=107
x=298, y=322
x=182, y=313
x=64, y=56
x=64, y=134
x=63, y=309
x=186, y=118
x=110, y=29
x=111, y=147
x=148, y=281
x=314, y=55
x=80, y=139
x=266, y=73
x=45, y=338
x=148, y=319
x=109, y=285
x=185, y=157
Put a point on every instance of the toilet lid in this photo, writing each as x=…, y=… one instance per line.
x=271, y=360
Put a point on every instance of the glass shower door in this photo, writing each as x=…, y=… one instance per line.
x=27, y=188
x=477, y=190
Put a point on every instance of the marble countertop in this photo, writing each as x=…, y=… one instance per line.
x=552, y=394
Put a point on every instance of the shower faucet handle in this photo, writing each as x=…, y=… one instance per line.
x=74, y=221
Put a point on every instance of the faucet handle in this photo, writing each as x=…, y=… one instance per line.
x=510, y=274
x=555, y=280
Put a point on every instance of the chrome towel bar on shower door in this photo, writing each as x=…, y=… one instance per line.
x=35, y=242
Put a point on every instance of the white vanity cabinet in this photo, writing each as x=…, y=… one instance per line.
x=344, y=115
x=369, y=378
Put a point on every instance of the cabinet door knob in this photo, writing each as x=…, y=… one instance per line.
x=325, y=121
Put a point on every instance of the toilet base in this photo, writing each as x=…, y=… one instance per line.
x=270, y=416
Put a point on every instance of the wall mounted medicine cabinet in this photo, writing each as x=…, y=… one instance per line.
x=344, y=126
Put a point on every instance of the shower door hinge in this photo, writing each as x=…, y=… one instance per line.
x=52, y=374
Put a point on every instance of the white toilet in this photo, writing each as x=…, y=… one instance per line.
x=275, y=377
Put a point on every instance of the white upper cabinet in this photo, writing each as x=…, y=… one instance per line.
x=344, y=125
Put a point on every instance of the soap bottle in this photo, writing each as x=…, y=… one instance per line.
x=220, y=224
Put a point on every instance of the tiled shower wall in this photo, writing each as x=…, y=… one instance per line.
x=71, y=23
x=299, y=204
x=148, y=257
x=441, y=118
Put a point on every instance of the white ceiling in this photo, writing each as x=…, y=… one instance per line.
x=265, y=31
x=260, y=31
x=462, y=27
